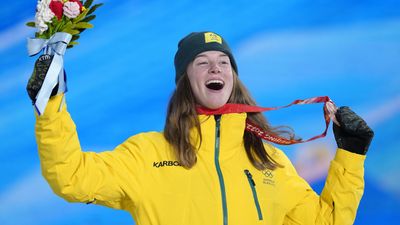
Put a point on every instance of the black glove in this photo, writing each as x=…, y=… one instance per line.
x=42, y=65
x=354, y=134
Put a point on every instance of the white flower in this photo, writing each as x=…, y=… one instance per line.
x=42, y=27
x=47, y=15
x=43, y=15
x=71, y=9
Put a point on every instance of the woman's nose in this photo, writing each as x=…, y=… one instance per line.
x=214, y=68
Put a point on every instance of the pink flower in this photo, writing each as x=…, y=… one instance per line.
x=71, y=9
x=57, y=8
x=79, y=3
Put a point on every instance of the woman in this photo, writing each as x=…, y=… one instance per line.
x=201, y=169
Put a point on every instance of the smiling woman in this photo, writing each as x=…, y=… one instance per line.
x=203, y=169
x=211, y=78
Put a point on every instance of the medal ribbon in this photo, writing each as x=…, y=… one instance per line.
x=251, y=127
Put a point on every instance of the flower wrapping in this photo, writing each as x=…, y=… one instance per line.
x=59, y=24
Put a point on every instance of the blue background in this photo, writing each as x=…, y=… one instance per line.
x=121, y=76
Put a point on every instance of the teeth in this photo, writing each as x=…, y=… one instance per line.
x=214, y=82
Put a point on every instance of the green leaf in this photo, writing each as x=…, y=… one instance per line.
x=50, y=30
x=81, y=30
x=88, y=3
x=68, y=25
x=80, y=17
x=59, y=26
x=30, y=24
x=75, y=37
x=71, y=31
x=91, y=10
x=89, y=18
x=72, y=44
x=83, y=25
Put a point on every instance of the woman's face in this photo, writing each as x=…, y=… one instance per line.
x=211, y=78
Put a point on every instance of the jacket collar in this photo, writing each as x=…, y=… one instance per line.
x=232, y=128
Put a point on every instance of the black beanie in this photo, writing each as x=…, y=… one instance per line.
x=195, y=43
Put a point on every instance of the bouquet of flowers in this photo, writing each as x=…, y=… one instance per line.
x=59, y=24
x=69, y=16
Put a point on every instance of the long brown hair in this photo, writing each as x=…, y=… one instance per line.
x=182, y=117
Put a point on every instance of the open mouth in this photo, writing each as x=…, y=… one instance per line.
x=215, y=85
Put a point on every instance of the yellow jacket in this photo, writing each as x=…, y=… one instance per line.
x=143, y=177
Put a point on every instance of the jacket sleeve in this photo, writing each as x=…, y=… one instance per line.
x=79, y=176
x=339, y=200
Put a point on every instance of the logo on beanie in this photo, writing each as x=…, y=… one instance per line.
x=212, y=37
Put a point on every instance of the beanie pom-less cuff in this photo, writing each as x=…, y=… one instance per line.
x=195, y=43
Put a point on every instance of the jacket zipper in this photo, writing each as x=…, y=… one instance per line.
x=219, y=172
x=253, y=189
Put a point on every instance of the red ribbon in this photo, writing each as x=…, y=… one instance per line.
x=251, y=127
